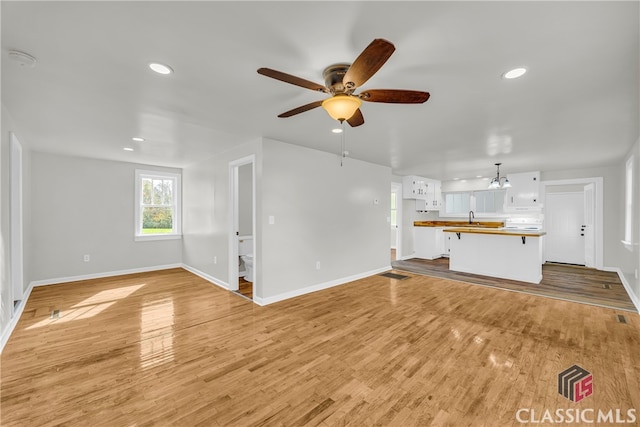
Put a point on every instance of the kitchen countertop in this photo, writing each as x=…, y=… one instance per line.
x=502, y=232
x=485, y=224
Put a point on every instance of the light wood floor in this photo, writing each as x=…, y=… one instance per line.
x=167, y=348
x=245, y=288
x=568, y=282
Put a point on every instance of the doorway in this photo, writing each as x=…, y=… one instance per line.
x=573, y=211
x=395, y=221
x=565, y=228
x=242, y=242
x=15, y=219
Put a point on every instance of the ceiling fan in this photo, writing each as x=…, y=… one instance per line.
x=341, y=81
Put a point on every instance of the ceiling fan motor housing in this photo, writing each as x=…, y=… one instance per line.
x=333, y=76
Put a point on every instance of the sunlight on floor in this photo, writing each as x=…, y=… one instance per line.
x=156, y=333
x=91, y=306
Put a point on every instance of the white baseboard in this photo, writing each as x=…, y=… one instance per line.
x=59, y=280
x=319, y=287
x=14, y=320
x=627, y=286
x=406, y=257
x=206, y=276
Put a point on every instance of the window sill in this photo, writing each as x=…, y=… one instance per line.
x=153, y=237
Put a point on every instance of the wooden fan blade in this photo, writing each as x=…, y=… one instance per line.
x=370, y=60
x=288, y=78
x=301, y=109
x=394, y=96
x=357, y=119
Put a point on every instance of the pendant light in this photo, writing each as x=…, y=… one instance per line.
x=495, y=182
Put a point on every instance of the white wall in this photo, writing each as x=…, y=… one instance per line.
x=85, y=206
x=323, y=213
x=629, y=262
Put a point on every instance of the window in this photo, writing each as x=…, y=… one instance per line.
x=394, y=210
x=157, y=205
x=490, y=201
x=457, y=203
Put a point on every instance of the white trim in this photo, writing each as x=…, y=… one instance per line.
x=319, y=287
x=16, y=215
x=177, y=205
x=59, y=280
x=206, y=277
x=14, y=320
x=397, y=187
x=233, y=221
x=406, y=257
x=627, y=286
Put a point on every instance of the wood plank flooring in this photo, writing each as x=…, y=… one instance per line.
x=245, y=288
x=568, y=282
x=169, y=349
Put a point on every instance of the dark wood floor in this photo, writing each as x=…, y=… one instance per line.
x=566, y=282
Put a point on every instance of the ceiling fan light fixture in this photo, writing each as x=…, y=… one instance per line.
x=341, y=107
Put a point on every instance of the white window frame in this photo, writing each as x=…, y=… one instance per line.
x=472, y=206
x=177, y=205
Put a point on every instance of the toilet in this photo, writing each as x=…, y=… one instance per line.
x=245, y=251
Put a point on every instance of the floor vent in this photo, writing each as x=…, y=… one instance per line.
x=621, y=318
x=394, y=276
x=55, y=314
x=606, y=286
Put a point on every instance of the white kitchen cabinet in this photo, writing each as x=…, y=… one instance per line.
x=432, y=199
x=414, y=187
x=524, y=193
x=428, y=242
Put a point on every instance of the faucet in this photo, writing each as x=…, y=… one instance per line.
x=471, y=215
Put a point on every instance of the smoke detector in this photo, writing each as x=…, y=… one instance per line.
x=23, y=59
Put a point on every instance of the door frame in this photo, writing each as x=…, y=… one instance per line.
x=15, y=219
x=234, y=221
x=396, y=187
x=598, y=220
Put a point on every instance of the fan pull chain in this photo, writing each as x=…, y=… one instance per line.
x=342, y=141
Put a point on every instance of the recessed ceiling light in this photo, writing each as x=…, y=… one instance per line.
x=137, y=139
x=160, y=68
x=128, y=149
x=515, y=73
x=336, y=130
x=455, y=179
x=22, y=58
x=478, y=176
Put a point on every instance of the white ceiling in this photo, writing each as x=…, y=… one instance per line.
x=91, y=90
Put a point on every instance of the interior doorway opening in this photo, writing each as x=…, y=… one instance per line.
x=395, y=221
x=242, y=242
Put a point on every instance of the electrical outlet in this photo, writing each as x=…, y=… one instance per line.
x=317, y=265
x=86, y=258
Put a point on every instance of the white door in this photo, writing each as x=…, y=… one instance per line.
x=588, y=226
x=564, y=224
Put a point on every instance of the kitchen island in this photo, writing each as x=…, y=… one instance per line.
x=508, y=254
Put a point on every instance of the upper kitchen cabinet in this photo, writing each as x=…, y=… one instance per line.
x=414, y=187
x=524, y=193
x=426, y=192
